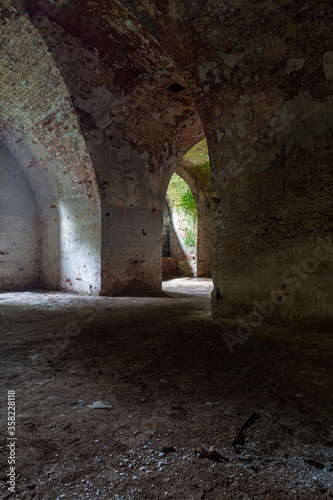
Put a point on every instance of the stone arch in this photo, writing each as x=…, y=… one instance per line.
x=204, y=221
x=203, y=199
x=268, y=120
x=178, y=233
x=124, y=88
x=40, y=128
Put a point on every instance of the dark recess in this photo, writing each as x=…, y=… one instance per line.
x=175, y=87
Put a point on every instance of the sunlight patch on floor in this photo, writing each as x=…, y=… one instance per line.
x=189, y=285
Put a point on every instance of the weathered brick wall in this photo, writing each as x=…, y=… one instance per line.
x=268, y=246
x=39, y=125
x=169, y=267
x=261, y=74
x=135, y=126
x=19, y=227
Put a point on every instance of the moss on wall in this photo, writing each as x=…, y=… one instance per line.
x=197, y=161
x=184, y=213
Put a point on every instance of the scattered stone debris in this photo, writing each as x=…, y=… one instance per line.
x=99, y=405
x=168, y=449
x=314, y=463
x=240, y=438
x=70, y=452
x=211, y=454
x=80, y=403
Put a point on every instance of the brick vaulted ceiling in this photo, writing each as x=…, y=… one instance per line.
x=123, y=86
x=100, y=100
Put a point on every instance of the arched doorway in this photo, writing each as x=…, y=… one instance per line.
x=179, y=230
x=187, y=228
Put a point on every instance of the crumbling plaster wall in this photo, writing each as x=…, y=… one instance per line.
x=261, y=74
x=136, y=129
x=40, y=127
x=19, y=227
x=132, y=217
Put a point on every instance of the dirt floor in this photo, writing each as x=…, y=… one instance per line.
x=139, y=398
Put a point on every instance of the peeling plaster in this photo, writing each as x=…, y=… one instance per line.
x=276, y=203
x=268, y=7
x=175, y=9
x=220, y=134
x=295, y=64
x=99, y=105
x=306, y=119
x=206, y=67
x=328, y=65
x=232, y=59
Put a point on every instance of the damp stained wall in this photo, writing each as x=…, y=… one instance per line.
x=130, y=80
x=261, y=74
x=19, y=227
